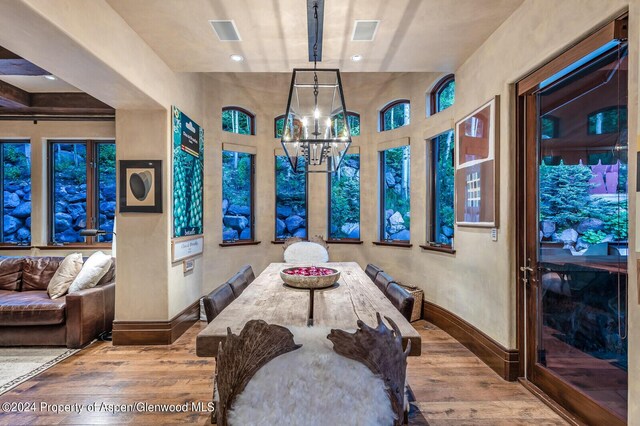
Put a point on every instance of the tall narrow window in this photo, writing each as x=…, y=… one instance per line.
x=442, y=189
x=238, y=120
x=394, y=115
x=278, y=126
x=443, y=94
x=395, y=185
x=15, y=183
x=82, y=188
x=344, y=200
x=237, y=196
x=354, y=123
x=291, y=200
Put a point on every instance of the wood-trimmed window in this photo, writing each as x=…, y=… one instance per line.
x=82, y=190
x=443, y=94
x=278, y=126
x=441, y=179
x=395, y=114
x=238, y=198
x=395, y=194
x=15, y=192
x=238, y=120
x=344, y=200
x=291, y=218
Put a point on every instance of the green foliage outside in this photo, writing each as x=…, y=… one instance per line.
x=70, y=164
x=291, y=189
x=397, y=116
x=593, y=237
x=447, y=96
x=549, y=128
x=107, y=163
x=354, y=123
x=397, y=189
x=236, y=178
x=279, y=127
x=345, y=197
x=565, y=200
x=236, y=122
x=16, y=161
x=444, y=186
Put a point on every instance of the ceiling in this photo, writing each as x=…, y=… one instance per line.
x=38, y=84
x=413, y=35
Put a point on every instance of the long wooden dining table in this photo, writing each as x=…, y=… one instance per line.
x=355, y=297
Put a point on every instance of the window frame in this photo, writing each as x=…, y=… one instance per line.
x=354, y=114
x=432, y=187
x=252, y=119
x=93, y=207
x=252, y=197
x=5, y=244
x=275, y=126
x=381, y=201
x=277, y=240
x=343, y=240
x=386, y=108
x=434, y=105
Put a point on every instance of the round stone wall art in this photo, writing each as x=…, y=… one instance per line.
x=141, y=186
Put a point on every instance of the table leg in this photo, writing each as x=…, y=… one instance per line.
x=310, y=315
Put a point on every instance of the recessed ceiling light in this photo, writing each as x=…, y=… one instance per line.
x=50, y=77
x=356, y=58
x=236, y=58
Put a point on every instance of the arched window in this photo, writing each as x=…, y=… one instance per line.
x=607, y=120
x=354, y=124
x=238, y=120
x=394, y=115
x=443, y=94
x=278, y=126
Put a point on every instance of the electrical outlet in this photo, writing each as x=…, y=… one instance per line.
x=494, y=234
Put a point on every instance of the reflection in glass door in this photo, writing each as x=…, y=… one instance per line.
x=581, y=307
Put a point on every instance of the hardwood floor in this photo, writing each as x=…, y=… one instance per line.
x=451, y=385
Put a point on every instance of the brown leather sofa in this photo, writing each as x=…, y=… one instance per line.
x=28, y=317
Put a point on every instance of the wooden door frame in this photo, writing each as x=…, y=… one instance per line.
x=581, y=407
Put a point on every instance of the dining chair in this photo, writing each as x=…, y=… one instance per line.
x=372, y=271
x=306, y=252
x=238, y=283
x=383, y=280
x=247, y=271
x=217, y=300
x=401, y=299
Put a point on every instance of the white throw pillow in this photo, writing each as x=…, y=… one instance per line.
x=94, y=268
x=68, y=270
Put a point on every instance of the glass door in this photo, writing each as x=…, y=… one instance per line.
x=577, y=237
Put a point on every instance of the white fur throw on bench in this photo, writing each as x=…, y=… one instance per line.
x=312, y=386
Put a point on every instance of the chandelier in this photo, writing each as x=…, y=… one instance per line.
x=316, y=133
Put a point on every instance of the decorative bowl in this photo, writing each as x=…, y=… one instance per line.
x=310, y=277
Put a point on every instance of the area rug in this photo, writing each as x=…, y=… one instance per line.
x=20, y=364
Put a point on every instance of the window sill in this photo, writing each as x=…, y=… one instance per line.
x=75, y=247
x=394, y=244
x=345, y=241
x=14, y=247
x=277, y=242
x=441, y=249
x=240, y=243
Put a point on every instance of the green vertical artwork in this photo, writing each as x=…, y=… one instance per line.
x=188, y=170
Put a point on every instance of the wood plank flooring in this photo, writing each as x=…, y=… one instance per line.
x=451, y=386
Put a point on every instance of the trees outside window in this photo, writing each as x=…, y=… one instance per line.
x=344, y=200
x=82, y=190
x=238, y=120
x=15, y=182
x=278, y=126
x=394, y=115
x=443, y=94
x=395, y=193
x=608, y=120
x=291, y=200
x=237, y=196
x=442, y=189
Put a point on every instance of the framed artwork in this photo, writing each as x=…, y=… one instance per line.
x=188, y=169
x=141, y=186
x=476, y=179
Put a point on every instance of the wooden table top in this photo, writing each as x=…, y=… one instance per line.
x=267, y=298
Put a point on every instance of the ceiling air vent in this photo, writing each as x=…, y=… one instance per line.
x=364, y=30
x=225, y=30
